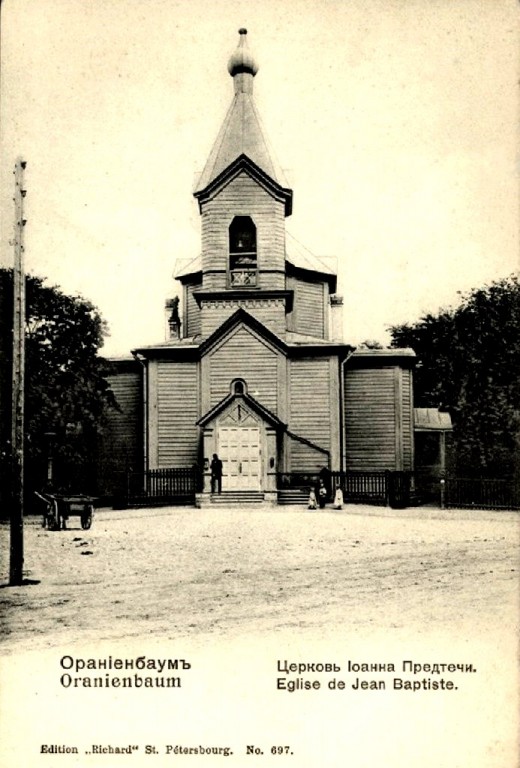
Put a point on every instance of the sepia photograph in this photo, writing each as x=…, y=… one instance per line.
x=259, y=383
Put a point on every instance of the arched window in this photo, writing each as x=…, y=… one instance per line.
x=238, y=387
x=242, y=252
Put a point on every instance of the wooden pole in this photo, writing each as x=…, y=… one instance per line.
x=17, y=413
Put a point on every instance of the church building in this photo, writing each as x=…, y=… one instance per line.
x=255, y=368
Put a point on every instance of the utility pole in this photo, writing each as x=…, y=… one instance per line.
x=17, y=413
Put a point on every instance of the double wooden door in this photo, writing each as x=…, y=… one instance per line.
x=240, y=453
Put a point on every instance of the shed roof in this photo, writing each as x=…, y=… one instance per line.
x=300, y=256
x=363, y=357
x=431, y=420
x=295, y=253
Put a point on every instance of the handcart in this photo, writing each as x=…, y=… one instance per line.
x=59, y=507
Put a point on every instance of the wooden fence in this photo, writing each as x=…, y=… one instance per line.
x=480, y=493
x=172, y=485
x=362, y=487
x=379, y=488
x=178, y=485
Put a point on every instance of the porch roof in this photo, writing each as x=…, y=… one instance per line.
x=261, y=410
x=431, y=420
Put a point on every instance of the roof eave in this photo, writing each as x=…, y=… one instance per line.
x=296, y=270
x=243, y=162
x=373, y=358
x=256, y=406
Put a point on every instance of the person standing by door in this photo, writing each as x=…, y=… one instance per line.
x=216, y=474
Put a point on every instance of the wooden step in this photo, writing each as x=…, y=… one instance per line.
x=293, y=496
x=237, y=497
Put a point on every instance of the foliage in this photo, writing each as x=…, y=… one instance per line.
x=66, y=391
x=469, y=364
x=371, y=344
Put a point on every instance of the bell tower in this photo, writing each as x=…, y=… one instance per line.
x=243, y=201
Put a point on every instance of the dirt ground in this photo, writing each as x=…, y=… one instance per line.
x=182, y=572
x=235, y=592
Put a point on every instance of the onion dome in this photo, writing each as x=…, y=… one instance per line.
x=242, y=137
x=242, y=60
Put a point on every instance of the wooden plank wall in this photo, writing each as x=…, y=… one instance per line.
x=370, y=419
x=244, y=356
x=121, y=445
x=407, y=417
x=177, y=413
x=192, y=318
x=309, y=312
x=243, y=197
x=270, y=312
x=310, y=404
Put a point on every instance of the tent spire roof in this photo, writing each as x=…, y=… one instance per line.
x=242, y=132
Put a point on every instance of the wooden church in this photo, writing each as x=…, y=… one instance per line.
x=255, y=368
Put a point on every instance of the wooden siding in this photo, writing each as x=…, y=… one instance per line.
x=192, y=320
x=310, y=405
x=122, y=440
x=370, y=419
x=177, y=413
x=270, y=312
x=244, y=356
x=243, y=197
x=407, y=417
x=217, y=280
x=309, y=315
x=271, y=280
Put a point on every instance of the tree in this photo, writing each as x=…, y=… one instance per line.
x=469, y=365
x=371, y=344
x=66, y=390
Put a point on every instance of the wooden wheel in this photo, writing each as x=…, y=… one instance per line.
x=54, y=516
x=86, y=518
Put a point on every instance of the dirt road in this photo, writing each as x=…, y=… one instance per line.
x=182, y=572
x=240, y=593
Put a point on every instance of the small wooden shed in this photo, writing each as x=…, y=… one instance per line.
x=432, y=429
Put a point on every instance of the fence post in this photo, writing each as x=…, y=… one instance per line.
x=127, y=500
x=443, y=492
x=387, y=488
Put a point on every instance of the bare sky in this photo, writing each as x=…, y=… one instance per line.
x=396, y=122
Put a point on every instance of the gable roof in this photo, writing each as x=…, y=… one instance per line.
x=238, y=317
x=255, y=406
x=294, y=344
x=237, y=166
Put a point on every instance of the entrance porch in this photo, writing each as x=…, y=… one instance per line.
x=247, y=438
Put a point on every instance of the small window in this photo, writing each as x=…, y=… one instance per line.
x=242, y=251
x=238, y=387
